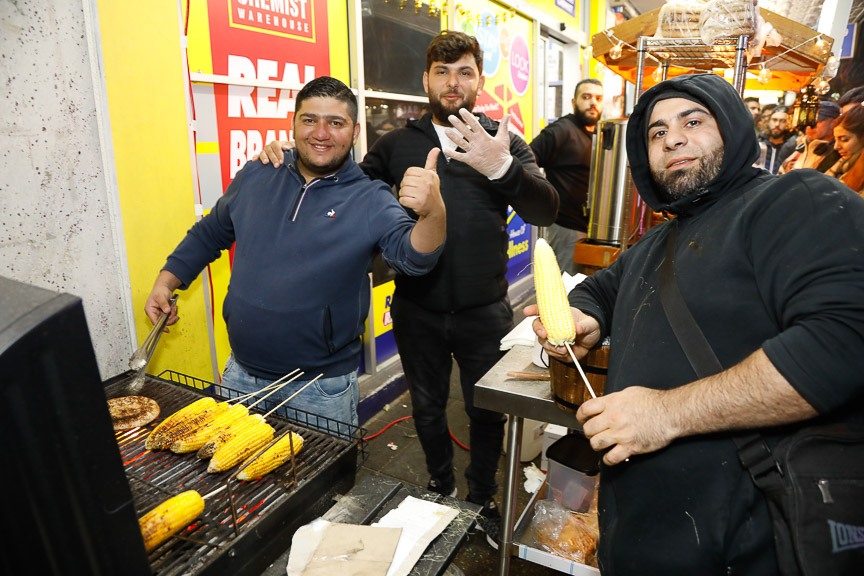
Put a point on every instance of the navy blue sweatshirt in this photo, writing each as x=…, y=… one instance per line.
x=299, y=291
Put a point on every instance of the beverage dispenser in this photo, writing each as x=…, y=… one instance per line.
x=618, y=215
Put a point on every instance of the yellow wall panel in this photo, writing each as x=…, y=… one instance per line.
x=146, y=87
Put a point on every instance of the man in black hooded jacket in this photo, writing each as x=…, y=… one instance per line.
x=772, y=269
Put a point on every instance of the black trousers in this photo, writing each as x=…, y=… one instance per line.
x=428, y=342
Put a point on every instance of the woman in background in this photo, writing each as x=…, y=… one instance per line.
x=849, y=142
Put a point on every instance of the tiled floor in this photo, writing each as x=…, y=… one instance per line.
x=396, y=452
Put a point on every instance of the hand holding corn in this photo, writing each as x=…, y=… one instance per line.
x=557, y=325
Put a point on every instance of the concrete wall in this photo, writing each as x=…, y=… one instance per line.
x=59, y=217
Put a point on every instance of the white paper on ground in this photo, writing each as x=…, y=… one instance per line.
x=421, y=522
x=322, y=548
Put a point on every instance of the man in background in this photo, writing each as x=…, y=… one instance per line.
x=563, y=150
x=815, y=149
x=850, y=98
x=778, y=141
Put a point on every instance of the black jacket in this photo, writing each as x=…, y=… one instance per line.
x=563, y=150
x=762, y=262
x=471, y=271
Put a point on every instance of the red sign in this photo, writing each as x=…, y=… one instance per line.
x=260, y=41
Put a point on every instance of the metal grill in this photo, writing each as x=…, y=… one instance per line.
x=246, y=525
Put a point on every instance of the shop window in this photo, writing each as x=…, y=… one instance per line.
x=395, y=37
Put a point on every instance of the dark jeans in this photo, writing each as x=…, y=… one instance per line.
x=428, y=342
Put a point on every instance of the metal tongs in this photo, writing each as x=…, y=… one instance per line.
x=141, y=357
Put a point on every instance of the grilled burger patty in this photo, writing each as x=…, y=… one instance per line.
x=132, y=411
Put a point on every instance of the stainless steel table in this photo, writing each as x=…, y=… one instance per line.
x=519, y=399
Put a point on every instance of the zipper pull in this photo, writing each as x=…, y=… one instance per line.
x=826, y=492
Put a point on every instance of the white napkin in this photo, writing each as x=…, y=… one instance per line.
x=421, y=521
x=523, y=334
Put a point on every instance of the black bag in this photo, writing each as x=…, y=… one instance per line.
x=813, y=479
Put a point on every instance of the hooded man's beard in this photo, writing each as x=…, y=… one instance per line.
x=677, y=184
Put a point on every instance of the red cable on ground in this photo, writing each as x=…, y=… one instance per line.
x=371, y=436
x=375, y=435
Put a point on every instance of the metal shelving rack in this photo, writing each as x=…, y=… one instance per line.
x=693, y=54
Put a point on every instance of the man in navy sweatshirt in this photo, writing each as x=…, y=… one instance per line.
x=304, y=240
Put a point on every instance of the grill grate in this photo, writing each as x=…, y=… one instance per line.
x=245, y=526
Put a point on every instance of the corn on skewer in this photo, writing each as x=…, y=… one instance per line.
x=552, y=296
x=170, y=517
x=272, y=459
x=226, y=434
x=182, y=421
x=554, y=306
x=220, y=437
x=287, y=446
x=186, y=426
x=193, y=441
x=176, y=417
x=235, y=450
x=189, y=434
x=249, y=441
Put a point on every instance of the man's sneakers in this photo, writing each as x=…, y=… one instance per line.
x=489, y=522
x=441, y=488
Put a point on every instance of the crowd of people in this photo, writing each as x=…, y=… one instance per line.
x=832, y=145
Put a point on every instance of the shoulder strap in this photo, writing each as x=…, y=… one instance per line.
x=753, y=451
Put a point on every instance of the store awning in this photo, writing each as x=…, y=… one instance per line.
x=800, y=57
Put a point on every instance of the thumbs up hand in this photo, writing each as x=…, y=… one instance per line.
x=420, y=188
x=421, y=192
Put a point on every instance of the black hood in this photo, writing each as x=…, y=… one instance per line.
x=736, y=127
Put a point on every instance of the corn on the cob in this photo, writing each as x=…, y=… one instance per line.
x=552, y=296
x=273, y=457
x=227, y=434
x=193, y=441
x=170, y=517
x=240, y=447
x=186, y=425
x=153, y=440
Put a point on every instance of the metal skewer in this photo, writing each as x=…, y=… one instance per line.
x=276, y=388
x=293, y=395
x=581, y=373
x=275, y=384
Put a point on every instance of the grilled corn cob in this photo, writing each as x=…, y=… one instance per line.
x=227, y=434
x=187, y=425
x=197, y=438
x=273, y=457
x=170, y=517
x=240, y=447
x=154, y=438
x=552, y=296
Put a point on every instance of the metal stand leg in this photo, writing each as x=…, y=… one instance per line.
x=514, y=449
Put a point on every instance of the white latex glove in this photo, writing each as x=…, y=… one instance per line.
x=489, y=156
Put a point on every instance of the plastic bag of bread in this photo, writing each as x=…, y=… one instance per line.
x=679, y=19
x=725, y=18
x=572, y=535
